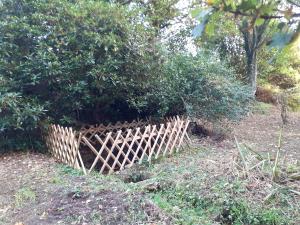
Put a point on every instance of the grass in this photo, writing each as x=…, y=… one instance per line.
x=96, y=217
x=262, y=108
x=190, y=192
x=24, y=195
x=201, y=199
x=221, y=204
x=65, y=169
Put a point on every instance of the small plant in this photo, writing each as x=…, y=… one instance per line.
x=70, y=171
x=23, y=195
x=238, y=212
x=95, y=218
x=56, y=180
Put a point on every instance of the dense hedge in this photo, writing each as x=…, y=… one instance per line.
x=85, y=61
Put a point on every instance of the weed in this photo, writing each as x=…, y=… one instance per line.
x=73, y=219
x=185, y=206
x=238, y=212
x=23, y=195
x=64, y=169
x=57, y=180
x=292, y=168
x=95, y=217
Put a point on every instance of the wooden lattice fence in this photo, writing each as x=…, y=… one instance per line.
x=112, y=147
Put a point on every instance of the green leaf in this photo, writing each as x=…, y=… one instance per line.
x=248, y=5
x=210, y=29
x=196, y=12
x=259, y=22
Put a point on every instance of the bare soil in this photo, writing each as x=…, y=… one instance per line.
x=261, y=132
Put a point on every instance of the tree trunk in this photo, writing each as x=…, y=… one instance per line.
x=252, y=71
x=253, y=40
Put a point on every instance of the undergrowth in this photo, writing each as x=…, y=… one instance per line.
x=23, y=196
x=188, y=207
x=191, y=189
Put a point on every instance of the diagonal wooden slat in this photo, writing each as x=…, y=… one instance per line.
x=137, y=132
x=180, y=124
x=184, y=133
x=174, y=124
x=140, y=145
x=156, y=141
x=120, y=151
x=100, y=152
x=110, y=151
x=148, y=144
x=163, y=139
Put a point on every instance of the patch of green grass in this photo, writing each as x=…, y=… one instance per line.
x=95, y=218
x=194, y=198
x=64, y=169
x=294, y=102
x=239, y=212
x=293, y=168
x=74, y=219
x=24, y=195
x=182, y=210
x=188, y=208
x=57, y=180
x=261, y=108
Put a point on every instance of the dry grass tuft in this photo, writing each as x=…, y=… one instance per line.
x=267, y=173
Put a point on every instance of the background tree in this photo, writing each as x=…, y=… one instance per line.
x=254, y=18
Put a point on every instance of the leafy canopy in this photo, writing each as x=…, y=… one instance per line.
x=256, y=13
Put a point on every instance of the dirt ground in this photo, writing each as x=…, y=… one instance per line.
x=261, y=132
x=34, y=189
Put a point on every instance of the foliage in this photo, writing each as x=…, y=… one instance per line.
x=222, y=35
x=280, y=68
x=67, y=62
x=204, y=86
x=254, y=19
x=256, y=12
x=73, y=63
x=280, y=72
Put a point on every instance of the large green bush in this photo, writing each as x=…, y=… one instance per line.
x=68, y=61
x=88, y=61
x=203, y=86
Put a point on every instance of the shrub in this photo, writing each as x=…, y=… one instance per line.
x=91, y=61
x=66, y=62
x=205, y=87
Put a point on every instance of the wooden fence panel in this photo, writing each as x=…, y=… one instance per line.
x=116, y=146
x=63, y=144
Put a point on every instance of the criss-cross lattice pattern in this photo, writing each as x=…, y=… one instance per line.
x=63, y=144
x=119, y=146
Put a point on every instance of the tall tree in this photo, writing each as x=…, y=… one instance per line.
x=253, y=18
